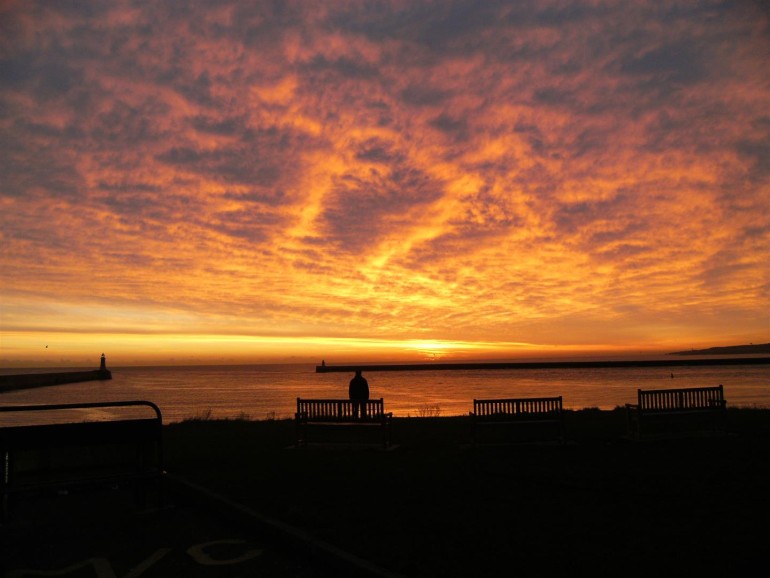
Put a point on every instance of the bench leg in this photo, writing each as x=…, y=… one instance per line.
x=386, y=435
x=6, y=483
x=719, y=423
x=301, y=435
x=633, y=424
x=297, y=433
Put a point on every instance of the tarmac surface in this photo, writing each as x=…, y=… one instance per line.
x=193, y=533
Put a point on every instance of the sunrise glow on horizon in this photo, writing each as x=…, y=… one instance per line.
x=254, y=182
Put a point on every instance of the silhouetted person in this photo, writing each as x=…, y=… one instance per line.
x=359, y=393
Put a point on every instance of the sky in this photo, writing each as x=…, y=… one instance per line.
x=229, y=181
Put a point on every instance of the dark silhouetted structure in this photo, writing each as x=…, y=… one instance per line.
x=549, y=364
x=134, y=452
x=542, y=416
x=702, y=407
x=30, y=380
x=331, y=414
x=359, y=394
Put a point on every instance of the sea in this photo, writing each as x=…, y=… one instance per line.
x=260, y=392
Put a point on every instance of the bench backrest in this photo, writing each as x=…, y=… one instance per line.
x=695, y=398
x=335, y=409
x=531, y=406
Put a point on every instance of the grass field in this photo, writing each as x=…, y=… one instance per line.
x=433, y=506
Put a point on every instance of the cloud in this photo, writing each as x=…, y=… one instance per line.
x=541, y=170
x=364, y=210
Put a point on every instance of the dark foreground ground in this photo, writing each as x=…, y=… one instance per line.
x=433, y=506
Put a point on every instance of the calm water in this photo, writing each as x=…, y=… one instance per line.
x=270, y=391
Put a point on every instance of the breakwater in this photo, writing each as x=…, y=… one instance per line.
x=30, y=380
x=543, y=364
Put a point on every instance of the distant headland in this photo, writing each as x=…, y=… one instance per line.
x=751, y=349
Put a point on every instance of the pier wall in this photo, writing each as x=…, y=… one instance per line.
x=30, y=380
x=324, y=368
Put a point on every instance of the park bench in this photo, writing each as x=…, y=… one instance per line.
x=532, y=419
x=669, y=411
x=59, y=454
x=338, y=414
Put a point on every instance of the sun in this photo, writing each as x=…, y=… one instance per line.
x=433, y=350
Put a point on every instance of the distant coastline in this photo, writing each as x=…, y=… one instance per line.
x=751, y=349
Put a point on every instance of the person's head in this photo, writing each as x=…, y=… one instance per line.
x=358, y=373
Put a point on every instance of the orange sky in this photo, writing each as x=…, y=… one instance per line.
x=231, y=182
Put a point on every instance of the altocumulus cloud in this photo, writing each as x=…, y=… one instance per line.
x=503, y=170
